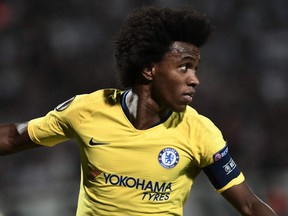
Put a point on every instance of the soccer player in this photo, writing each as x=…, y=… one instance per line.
x=142, y=147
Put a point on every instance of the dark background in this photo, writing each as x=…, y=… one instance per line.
x=52, y=50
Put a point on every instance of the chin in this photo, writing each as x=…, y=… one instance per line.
x=179, y=108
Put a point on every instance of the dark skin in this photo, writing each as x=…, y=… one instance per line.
x=170, y=85
x=13, y=140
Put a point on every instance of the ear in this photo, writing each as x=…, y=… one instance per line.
x=148, y=73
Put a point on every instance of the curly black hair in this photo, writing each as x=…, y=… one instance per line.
x=147, y=34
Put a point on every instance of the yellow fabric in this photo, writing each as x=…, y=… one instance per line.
x=126, y=171
x=233, y=182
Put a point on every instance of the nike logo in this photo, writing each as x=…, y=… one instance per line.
x=92, y=143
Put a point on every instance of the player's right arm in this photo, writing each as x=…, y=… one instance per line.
x=14, y=138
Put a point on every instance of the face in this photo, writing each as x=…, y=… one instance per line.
x=174, y=77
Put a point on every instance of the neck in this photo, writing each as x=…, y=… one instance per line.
x=144, y=112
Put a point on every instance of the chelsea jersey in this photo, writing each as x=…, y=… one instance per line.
x=126, y=171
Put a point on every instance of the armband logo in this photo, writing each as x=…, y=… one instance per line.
x=64, y=105
x=168, y=158
x=229, y=167
x=220, y=154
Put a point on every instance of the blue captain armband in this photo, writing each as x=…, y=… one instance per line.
x=223, y=170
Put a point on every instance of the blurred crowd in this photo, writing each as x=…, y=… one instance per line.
x=52, y=50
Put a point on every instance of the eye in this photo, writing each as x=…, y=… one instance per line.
x=184, y=67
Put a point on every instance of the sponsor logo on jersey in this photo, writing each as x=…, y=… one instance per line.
x=168, y=158
x=153, y=191
x=93, y=172
x=64, y=105
x=220, y=154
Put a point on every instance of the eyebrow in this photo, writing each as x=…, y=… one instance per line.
x=190, y=57
x=187, y=57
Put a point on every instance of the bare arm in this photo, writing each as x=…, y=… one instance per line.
x=246, y=202
x=14, y=138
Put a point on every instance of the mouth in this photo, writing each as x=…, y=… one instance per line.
x=188, y=97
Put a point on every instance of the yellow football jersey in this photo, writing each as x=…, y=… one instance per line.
x=126, y=171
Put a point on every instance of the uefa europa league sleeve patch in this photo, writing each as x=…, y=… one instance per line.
x=64, y=105
x=168, y=158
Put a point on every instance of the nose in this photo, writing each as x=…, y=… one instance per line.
x=193, y=79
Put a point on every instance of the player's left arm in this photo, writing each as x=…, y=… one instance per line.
x=227, y=179
x=246, y=202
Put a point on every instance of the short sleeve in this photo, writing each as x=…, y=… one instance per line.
x=206, y=140
x=53, y=128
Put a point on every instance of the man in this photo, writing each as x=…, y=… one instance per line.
x=142, y=148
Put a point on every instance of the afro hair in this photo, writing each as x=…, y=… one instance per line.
x=148, y=32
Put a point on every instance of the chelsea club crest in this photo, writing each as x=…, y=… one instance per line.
x=168, y=158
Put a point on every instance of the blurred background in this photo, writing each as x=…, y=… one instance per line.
x=52, y=50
